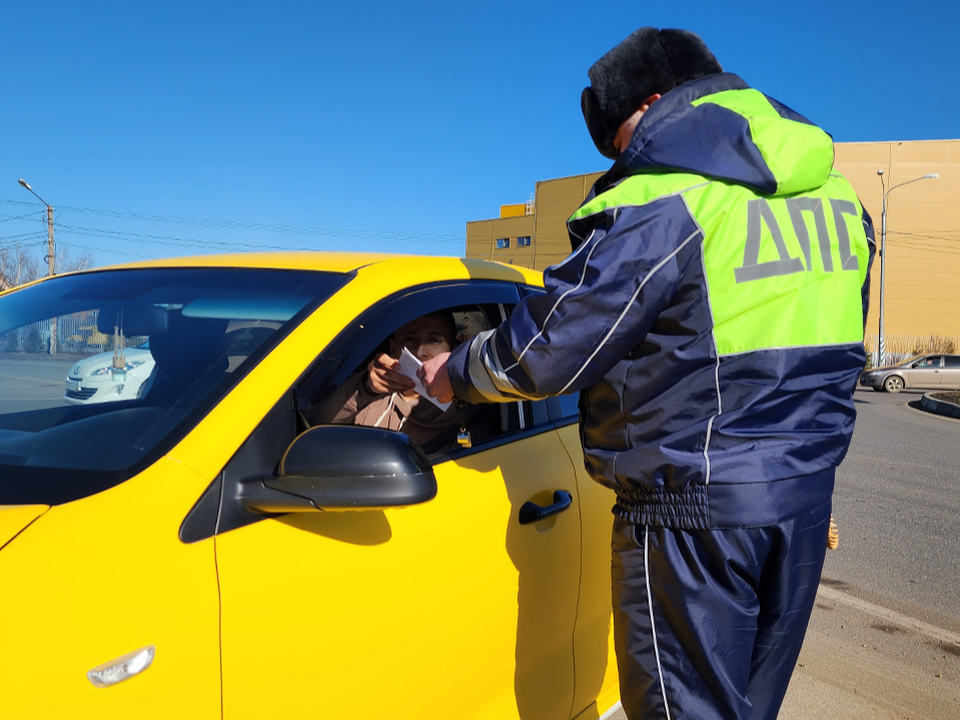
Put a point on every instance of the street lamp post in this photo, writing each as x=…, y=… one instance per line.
x=883, y=249
x=51, y=255
x=51, y=258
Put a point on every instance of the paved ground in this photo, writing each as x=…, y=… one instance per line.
x=898, y=506
x=884, y=638
x=29, y=382
x=862, y=660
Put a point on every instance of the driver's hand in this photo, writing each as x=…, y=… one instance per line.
x=384, y=378
x=435, y=378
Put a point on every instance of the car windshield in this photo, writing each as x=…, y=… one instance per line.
x=103, y=372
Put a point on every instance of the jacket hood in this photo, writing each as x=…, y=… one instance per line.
x=720, y=127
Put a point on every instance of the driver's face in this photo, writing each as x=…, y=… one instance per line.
x=424, y=337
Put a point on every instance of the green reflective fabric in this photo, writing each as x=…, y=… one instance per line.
x=800, y=286
x=800, y=156
x=639, y=190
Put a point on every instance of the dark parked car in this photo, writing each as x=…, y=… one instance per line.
x=928, y=372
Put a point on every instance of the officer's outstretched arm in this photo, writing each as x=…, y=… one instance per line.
x=599, y=305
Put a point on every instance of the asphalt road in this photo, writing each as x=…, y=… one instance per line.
x=884, y=637
x=32, y=382
x=897, y=503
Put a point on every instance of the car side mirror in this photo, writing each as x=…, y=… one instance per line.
x=343, y=467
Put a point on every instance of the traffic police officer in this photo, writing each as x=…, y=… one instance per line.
x=711, y=316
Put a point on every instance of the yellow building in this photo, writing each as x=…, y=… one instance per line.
x=922, y=296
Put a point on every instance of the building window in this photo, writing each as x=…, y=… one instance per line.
x=523, y=241
x=503, y=243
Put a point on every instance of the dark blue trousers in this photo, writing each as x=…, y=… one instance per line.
x=708, y=624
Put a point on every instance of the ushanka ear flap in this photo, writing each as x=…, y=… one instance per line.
x=593, y=115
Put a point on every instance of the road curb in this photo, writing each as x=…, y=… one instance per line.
x=940, y=407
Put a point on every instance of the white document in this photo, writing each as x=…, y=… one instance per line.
x=409, y=364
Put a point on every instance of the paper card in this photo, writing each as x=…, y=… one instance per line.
x=409, y=364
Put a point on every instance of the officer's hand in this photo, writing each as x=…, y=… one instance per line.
x=384, y=378
x=435, y=379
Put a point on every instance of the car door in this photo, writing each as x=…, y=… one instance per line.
x=597, y=679
x=448, y=609
x=950, y=377
x=924, y=373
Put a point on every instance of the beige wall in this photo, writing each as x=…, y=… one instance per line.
x=482, y=236
x=923, y=230
x=554, y=202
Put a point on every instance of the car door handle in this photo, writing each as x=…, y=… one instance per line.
x=530, y=512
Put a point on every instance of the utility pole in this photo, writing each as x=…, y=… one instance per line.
x=51, y=250
x=882, y=360
x=51, y=259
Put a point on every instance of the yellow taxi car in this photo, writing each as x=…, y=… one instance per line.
x=204, y=551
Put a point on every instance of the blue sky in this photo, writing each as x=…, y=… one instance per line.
x=174, y=128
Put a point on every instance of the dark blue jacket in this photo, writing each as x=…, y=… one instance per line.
x=711, y=315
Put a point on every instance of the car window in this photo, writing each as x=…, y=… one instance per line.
x=366, y=399
x=433, y=425
x=951, y=361
x=476, y=306
x=84, y=403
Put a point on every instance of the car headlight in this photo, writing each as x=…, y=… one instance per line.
x=107, y=369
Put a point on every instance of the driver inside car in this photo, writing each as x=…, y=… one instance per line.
x=380, y=396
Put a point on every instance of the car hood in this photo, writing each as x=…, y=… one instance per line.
x=884, y=368
x=14, y=518
x=103, y=359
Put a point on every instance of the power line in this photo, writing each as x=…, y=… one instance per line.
x=941, y=249
x=8, y=218
x=258, y=226
x=23, y=246
x=934, y=251
x=21, y=236
x=168, y=240
x=926, y=236
x=104, y=250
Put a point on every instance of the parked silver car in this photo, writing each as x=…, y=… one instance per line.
x=928, y=372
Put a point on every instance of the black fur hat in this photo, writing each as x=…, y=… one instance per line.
x=649, y=61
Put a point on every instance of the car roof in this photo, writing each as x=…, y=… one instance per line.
x=419, y=265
